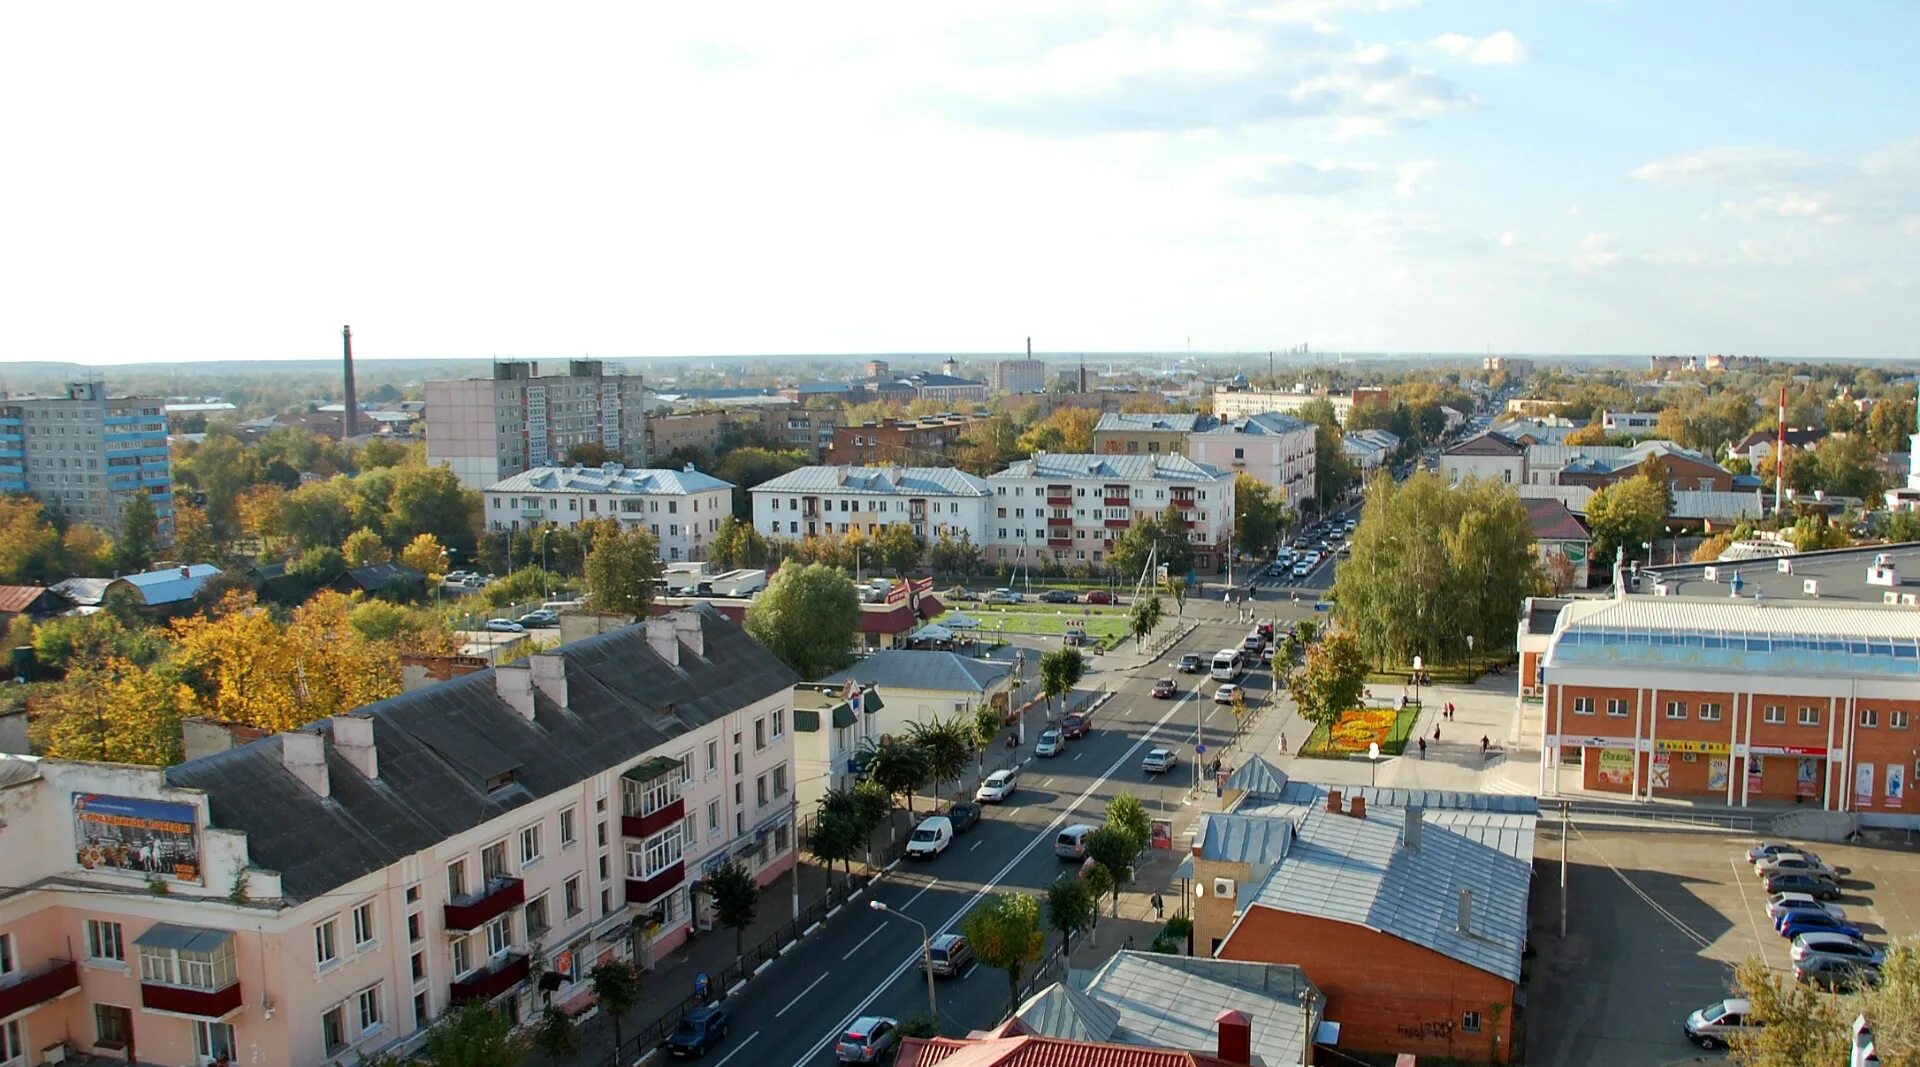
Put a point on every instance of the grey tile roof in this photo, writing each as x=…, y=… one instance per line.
x=1258, y=777
x=1143, y=421
x=901, y=668
x=1253, y=839
x=1270, y=424
x=1165, y=466
x=1606, y=458
x=1173, y=1001
x=437, y=747
x=878, y=481
x=615, y=479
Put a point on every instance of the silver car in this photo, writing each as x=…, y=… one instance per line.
x=1051, y=743
x=868, y=1040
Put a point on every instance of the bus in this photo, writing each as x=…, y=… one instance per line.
x=1226, y=664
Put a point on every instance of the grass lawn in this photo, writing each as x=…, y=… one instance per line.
x=1441, y=673
x=1108, y=628
x=1317, y=745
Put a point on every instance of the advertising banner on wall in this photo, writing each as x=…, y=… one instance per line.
x=152, y=838
x=1662, y=771
x=1717, y=773
x=1616, y=766
x=1896, y=784
x=1808, y=782
x=1863, y=785
x=1756, y=773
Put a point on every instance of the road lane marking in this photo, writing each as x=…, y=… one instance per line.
x=722, y=1061
x=976, y=845
x=922, y=893
x=799, y=998
x=863, y=942
x=968, y=973
x=1044, y=835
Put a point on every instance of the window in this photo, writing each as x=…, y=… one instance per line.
x=1897, y=720
x=333, y=1030
x=111, y=1025
x=462, y=956
x=760, y=734
x=600, y=835
x=104, y=943
x=367, y=1004
x=12, y=1045
x=713, y=817
x=570, y=896
x=530, y=845
x=456, y=879
x=780, y=780
x=418, y=967
x=779, y=724
x=1809, y=716
x=493, y=861
x=1616, y=707
x=690, y=830
x=1470, y=1022
x=686, y=767
x=760, y=790
x=1869, y=718
x=1709, y=713
x=1583, y=705
x=413, y=894
x=645, y=798
x=324, y=950
x=213, y=1041
x=500, y=935
x=421, y=1016
x=414, y=929
x=569, y=832
x=184, y=967
x=1774, y=713
x=1676, y=709
x=363, y=928
x=655, y=854
x=713, y=756
x=537, y=923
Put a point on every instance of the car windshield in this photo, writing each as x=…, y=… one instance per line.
x=686, y=1026
x=997, y=778
x=939, y=954
x=925, y=835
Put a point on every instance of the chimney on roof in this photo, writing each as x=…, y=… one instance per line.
x=550, y=676
x=660, y=636
x=514, y=683
x=1334, y=797
x=1466, y=911
x=353, y=739
x=1235, y=1029
x=304, y=754
x=1410, y=836
x=686, y=625
x=1357, y=807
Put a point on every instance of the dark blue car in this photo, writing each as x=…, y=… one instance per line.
x=699, y=1030
x=1807, y=922
x=1789, y=913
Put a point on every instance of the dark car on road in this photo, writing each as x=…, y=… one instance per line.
x=699, y=1030
x=1098, y=596
x=948, y=955
x=1058, y=596
x=1190, y=663
x=964, y=816
x=1836, y=975
x=1164, y=689
x=1076, y=724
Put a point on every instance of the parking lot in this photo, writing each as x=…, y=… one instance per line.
x=1656, y=922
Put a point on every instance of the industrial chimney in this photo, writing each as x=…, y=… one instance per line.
x=351, y=407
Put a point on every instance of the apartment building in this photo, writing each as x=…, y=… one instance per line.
x=486, y=429
x=1488, y=456
x=1065, y=508
x=1274, y=448
x=825, y=501
x=907, y=442
x=682, y=509
x=810, y=431
x=1231, y=403
x=1017, y=376
x=1131, y=433
x=324, y=893
x=1369, y=449
x=832, y=722
x=691, y=430
x=85, y=454
x=1597, y=466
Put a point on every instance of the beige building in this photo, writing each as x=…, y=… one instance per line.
x=1238, y=404
x=1128, y=433
x=486, y=429
x=689, y=429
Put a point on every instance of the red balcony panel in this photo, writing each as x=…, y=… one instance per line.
x=1119, y=502
x=475, y=910
x=200, y=1003
x=1059, y=501
x=1059, y=520
x=647, y=890
x=51, y=982
x=1119, y=524
x=648, y=825
x=1059, y=542
x=490, y=982
x=1184, y=504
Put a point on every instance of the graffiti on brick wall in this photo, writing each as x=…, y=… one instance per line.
x=1431, y=1028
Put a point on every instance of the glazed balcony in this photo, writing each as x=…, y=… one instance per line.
x=647, y=890
x=51, y=982
x=489, y=902
x=660, y=818
x=1059, y=520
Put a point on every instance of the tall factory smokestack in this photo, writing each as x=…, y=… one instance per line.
x=351, y=408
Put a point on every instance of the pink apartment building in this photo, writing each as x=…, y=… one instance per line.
x=327, y=892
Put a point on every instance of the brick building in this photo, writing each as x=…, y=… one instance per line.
x=1131, y=433
x=1596, y=466
x=899, y=442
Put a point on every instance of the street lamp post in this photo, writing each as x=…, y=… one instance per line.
x=926, y=953
x=546, y=592
x=1418, y=666
x=1648, y=545
x=1673, y=548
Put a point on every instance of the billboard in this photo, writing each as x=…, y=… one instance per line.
x=150, y=838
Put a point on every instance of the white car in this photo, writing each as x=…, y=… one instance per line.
x=1301, y=570
x=1780, y=902
x=997, y=788
x=1159, y=761
x=504, y=626
x=1784, y=862
x=1769, y=848
x=1051, y=743
x=1226, y=694
x=930, y=838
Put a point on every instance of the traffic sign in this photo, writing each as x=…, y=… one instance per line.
x=1199, y=749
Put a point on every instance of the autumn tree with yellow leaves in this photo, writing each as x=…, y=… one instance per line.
x=113, y=710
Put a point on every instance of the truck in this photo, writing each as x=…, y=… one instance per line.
x=740, y=583
x=683, y=579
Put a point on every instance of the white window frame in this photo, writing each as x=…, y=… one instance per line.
x=1809, y=715
x=366, y=931
x=530, y=845
x=499, y=935
x=569, y=827
x=572, y=896
x=1676, y=709
x=1470, y=1022
x=1583, y=705
x=1774, y=715
x=1897, y=719
x=329, y=1046
x=1869, y=718
x=106, y=942
x=1616, y=707
x=326, y=942
x=1709, y=713
x=366, y=1010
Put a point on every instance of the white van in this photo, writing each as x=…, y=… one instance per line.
x=930, y=838
x=1226, y=665
x=1072, y=842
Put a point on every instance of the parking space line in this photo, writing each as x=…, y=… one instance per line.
x=1747, y=905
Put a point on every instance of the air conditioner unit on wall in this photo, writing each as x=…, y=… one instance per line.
x=1223, y=887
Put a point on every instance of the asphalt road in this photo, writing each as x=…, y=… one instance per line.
x=864, y=962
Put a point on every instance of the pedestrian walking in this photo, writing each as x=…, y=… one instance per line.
x=1159, y=907
x=1423, y=748
x=1436, y=731
x=1283, y=743
x=1483, y=748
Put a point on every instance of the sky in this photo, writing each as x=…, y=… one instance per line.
x=643, y=179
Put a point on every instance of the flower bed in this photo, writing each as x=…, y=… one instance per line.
x=1361, y=727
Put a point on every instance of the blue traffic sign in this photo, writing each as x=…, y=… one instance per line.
x=1199, y=748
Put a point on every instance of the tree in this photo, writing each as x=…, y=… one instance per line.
x=1712, y=548
x=425, y=554
x=1800, y=1025
x=807, y=616
x=1060, y=671
x=899, y=549
x=1162, y=537
x=1889, y=423
x=555, y=1034
x=474, y=1035
x=1333, y=472
x=29, y=545
x=244, y=667
x=379, y=452
x=833, y=838
x=1812, y=533
x=1071, y=909
x=621, y=569
x=1143, y=618
x=616, y=987
x=110, y=709
x=139, y=530
x=1332, y=680
x=192, y=536
x=948, y=747
x=751, y=466
x=1625, y=515
x=87, y=551
x=1126, y=812
x=898, y=767
x=1065, y=429
x=736, y=901
x=737, y=544
x=1005, y=933
x=363, y=548
x=1492, y=563
x=1259, y=520
x=1114, y=848
x=985, y=727
x=432, y=500
x=1593, y=433
x=952, y=557
x=318, y=514
x=1848, y=466
x=590, y=454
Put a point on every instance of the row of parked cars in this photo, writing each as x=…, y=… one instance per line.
x=1827, y=950
x=1046, y=596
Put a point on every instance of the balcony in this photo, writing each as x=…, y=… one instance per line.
x=1119, y=524
x=648, y=890
x=659, y=819
x=1185, y=503
x=477, y=909
x=492, y=980
x=1059, y=542
x=1062, y=501
x=1059, y=520
x=531, y=513
x=186, y=1000
x=1122, y=501
x=51, y=982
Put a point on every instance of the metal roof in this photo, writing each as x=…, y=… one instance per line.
x=1175, y=1001
x=1145, y=421
x=1798, y=639
x=645, y=481
x=1486, y=443
x=1258, y=840
x=183, y=938
x=900, y=668
x=1270, y=424
x=1551, y=520
x=1165, y=466
x=170, y=585
x=1606, y=458
x=1060, y=1010
x=1258, y=777
x=878, y=481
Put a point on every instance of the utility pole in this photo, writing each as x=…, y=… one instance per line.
x=1565, y=824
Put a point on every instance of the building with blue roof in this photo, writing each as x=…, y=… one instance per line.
x=166, y=588
x=683, y=508
x=835, y=501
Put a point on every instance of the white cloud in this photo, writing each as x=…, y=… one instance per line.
x=1789, y=185
x=1598, y=251
x=1498, y=48
x=1294, y=177
x=1410, y=175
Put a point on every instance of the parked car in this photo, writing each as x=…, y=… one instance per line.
x=1836, y=975
x=930, y=838
x=998, y=787
x=1164, y=690
x=1226, y=694
x=1058, y=596
x=962, y=814
x=868, y=1040
x=504, y=626
x=959, y=593
x=1276, y=570
x=948, y=955
x=1812, y=907
x=1158, y=761
x=1711, y=1026
x=1834, y=943
x=1098, y=596
x=1780, y=902
x=1051, y=743
x=1075, y=724
x=699, y=1030
x=1071, y=844
x=1003, y=596
x=1769, y=848
x=1791, y=861
x=1190, y=663
x=539, y=618
x=1822, y=886
x=1795, y=923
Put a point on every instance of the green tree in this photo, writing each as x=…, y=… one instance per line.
x=380, y=453
x=1006, y=934
x=616, y=987
x=432, y=500
x=833, y=839
x=363, y=548
x=807, y=616
x=1811, y=533
x=898, y=767
x=1889, y=423
x=1259, y=520
x=555, y=1034
x=985, y=727
x=1071, y=908
x=1143, y=618
x=1492, y=563
x=1060, y=671
x=899, y=549
x=736, y=901
x=589, y=454
x=1333, y=472
x=318, y=514
x=751, y=466
x=948, y=747
x=1114, y=848
x=474, y=1035
x=621, y=569
x=738, y=544
x=192, y=536
x=139, y=529
x=952, y=557
x=1848, y=466
x=1126, y=812
x=1625, y=515
x=1331, y=682
x=1162, y=537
